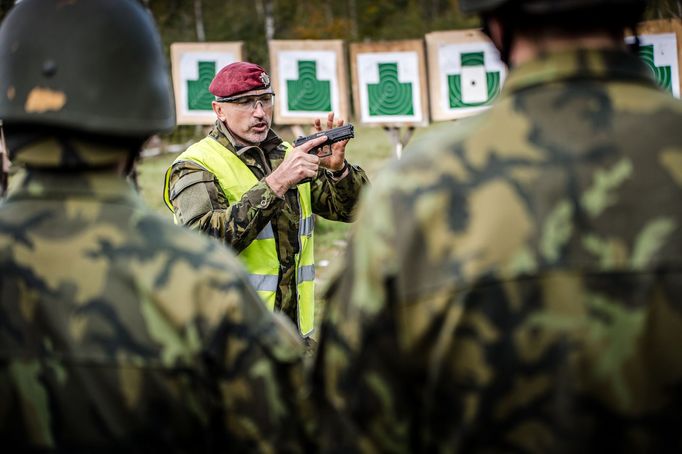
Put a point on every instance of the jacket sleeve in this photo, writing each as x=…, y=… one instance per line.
x=199, y=203
x=336, y=200
x=253, y=362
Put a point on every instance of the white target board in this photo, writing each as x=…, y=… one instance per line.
x=466, y=73
x=194, y=65
x=309, y=80
x=389, y=81
x=660, y=49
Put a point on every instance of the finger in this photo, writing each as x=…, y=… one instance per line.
x=317, y=125
x=330, y=120
x=306, y=147
x=325, y=151
x=339, y=122
x=309, y=173
x=311, y=158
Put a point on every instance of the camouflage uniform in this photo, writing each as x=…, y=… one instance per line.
x=203, y=205
x=515, y=284
x=121, y=331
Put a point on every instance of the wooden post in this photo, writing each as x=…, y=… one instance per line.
x=397, y=140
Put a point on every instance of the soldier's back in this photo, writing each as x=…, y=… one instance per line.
x=526, y=266
x=560, y=215
x=114, y=325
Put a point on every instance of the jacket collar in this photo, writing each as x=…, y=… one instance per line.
x=578, y=64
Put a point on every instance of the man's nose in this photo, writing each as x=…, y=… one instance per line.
x=258, y=111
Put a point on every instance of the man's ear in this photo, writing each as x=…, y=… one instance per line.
x=218, y=109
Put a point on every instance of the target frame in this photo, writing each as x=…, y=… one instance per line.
x=442, y=49
x=300, y=90
x=182, y=55
x=398, y=63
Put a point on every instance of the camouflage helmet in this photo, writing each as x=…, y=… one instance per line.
x=94, y=66
x=546, y=7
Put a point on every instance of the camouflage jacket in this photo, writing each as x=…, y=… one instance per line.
x=120, y=331
x=203, y=206
x=515, y=283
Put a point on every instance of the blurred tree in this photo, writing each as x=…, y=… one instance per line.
x=663, y=9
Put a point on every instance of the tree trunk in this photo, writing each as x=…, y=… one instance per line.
x=353, y=15
x=269, y=21
x=199, y=21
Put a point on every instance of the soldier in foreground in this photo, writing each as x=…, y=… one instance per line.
x=515, y=283
x=118, y=331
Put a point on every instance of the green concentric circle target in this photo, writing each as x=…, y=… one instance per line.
x=307, y=93
x=390, y=96
x=198, y=96
x=662, y=74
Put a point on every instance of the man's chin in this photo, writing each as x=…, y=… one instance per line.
x=255, y=138
x=260, y=135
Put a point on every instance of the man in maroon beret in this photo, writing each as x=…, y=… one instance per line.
x=245, y=185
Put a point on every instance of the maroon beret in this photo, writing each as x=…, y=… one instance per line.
x=237, y=78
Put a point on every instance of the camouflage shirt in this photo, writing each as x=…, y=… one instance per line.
x=121, y=331
x=515, y=283
x=203, y=206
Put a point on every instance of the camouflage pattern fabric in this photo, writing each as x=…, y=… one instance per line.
x=203, y=206
x=515, y=283
x=120, y=331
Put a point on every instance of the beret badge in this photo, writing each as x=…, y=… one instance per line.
x=265, y=79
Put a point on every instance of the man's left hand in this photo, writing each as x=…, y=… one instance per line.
x=335, y=160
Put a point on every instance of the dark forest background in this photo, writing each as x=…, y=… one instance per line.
x=256, y=21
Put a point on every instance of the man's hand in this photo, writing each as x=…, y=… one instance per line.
x=334, y=161
x=297, y=165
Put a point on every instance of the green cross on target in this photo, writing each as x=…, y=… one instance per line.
x=198, y=96
x=307, y=93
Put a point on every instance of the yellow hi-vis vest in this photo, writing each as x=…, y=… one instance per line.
x=260, y=257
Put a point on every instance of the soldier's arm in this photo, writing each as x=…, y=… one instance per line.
x=360, y=376
x=335, y=199
x=253, y=363
x=199, y=202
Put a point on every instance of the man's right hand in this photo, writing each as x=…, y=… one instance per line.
x=297, y=165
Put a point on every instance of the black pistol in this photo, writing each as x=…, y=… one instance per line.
x=333, y=135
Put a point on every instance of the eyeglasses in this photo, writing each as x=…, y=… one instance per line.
x=250, y=102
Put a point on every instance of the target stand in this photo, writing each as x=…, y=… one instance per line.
x=389, y=88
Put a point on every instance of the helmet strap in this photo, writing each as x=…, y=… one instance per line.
x=634, y=47
x=507, y=43
x=507, y=39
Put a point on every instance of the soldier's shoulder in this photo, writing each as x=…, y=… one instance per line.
x=432, y=154
x=164, y=235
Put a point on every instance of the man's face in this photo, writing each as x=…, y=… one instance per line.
x=248, y=116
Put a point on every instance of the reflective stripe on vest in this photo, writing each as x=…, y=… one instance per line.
x=263, y=282
x=260, y=257
x=266, y=233
x=306, y=273
x=306, y=226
